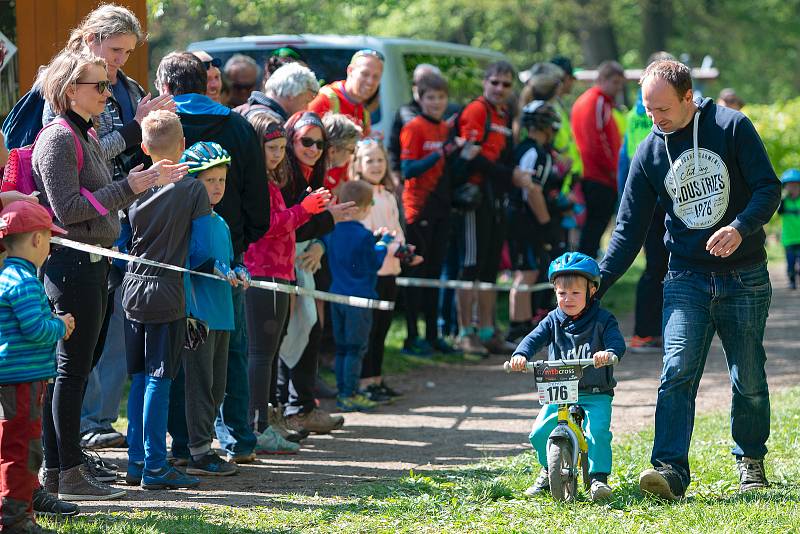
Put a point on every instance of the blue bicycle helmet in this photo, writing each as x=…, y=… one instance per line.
x=204, y=155
x=575, y=263
x=790, y=175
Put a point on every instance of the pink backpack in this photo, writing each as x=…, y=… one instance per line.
x=18, y=175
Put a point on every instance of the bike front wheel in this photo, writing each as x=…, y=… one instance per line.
x=560, y=471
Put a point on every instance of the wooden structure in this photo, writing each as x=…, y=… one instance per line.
x=44, y=25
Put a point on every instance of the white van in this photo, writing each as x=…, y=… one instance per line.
x=329, y=55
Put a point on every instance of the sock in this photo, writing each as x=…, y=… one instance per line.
x=465, y=331
x=486, y=333
x=602, y=477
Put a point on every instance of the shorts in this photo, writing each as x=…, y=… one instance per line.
x=484, y=235
x=525, y=243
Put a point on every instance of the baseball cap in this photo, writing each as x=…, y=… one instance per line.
x=22, y=216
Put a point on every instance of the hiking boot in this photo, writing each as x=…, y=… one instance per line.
x=541, y=485
x=498, y=345
x=48, y=505
x=100, y=469
x=48, y=478
x=317, y=420
x=599, y=491
x=133, y=475
x=663, y=482
x=77, y=484
x=28, y=526
x=271, y=442
x=389, y=392
x=751, y=474
x=278, y=423
x=443, y=347
x=417, y=347
x=167, y=478
x=471, y=345
x=102, y=439
x=375, y=393
x=645, y=344
x=241, y=458
x=356, y=403
x=211, y=465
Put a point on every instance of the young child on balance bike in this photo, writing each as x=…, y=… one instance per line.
x=577, y=328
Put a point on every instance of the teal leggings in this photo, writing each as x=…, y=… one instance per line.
x=596, y=428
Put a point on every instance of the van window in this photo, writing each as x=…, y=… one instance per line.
x=329, y=64
x=464, y=74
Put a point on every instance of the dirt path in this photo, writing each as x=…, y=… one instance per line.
x=453, y=415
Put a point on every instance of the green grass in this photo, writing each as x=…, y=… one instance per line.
x=485, y=497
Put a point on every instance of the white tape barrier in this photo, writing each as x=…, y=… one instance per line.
x=358, y=302
x=463, y=284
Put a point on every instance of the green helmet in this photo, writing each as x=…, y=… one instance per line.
x=205, y=155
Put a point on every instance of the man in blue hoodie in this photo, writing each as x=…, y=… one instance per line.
x=708, y=169
x=245, y=207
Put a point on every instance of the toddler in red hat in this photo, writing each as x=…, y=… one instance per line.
x=29, y=332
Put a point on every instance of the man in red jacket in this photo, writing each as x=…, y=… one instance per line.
x=599, y=141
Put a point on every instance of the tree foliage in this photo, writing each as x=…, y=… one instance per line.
x=755, y=44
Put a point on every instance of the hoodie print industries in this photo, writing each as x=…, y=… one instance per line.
x=713, y=172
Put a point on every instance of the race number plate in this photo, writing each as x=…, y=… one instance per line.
x=558, y=392
x=558, y=385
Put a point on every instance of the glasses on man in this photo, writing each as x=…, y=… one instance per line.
x=368, y=52
x=215, y=62
x=504, y=83
x=102, y=86
x=308, y=142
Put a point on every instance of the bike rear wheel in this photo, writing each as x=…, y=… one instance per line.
x=560, y=470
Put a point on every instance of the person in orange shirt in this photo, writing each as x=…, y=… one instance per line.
x=349, y=96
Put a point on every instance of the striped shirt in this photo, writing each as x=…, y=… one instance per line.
x=28, y=329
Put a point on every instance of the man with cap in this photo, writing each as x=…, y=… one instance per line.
x=29, y=331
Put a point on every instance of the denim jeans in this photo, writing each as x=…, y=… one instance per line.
x=596, y=429
x=351, y=327
x=234, y=431
x=792, y=257
x=734, y=305
x=148, y=405
x=106, y=382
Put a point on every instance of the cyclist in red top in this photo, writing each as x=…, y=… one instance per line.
x=486, y=122
x=348, y=96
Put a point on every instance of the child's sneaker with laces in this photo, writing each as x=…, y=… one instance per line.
x=751, y=474
x=599, y=491
x=167, y=478
x=211, y=465
x=542, y=484
x=356, y=403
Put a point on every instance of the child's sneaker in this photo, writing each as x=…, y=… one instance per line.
x=211, y=465
x=133, y=475
x=389, y=392
x=242, y=458
x=645, y=344
x=271, y=442
x=167, y=478
x=443, y=347
x=542, y=484
x=599, y=491
x=375, y=393
x=417, y=347
x=356, y=403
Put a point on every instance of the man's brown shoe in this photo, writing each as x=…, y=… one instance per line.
x=317, y=420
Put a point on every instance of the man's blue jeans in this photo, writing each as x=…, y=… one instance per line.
x=734, y=304
x=234, y=431
x=351, y=327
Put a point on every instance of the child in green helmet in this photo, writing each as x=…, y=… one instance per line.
x=789, y=211
x=577, y=328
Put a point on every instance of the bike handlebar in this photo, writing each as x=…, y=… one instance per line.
x=583, y=362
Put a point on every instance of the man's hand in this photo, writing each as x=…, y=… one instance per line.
x=724, y=242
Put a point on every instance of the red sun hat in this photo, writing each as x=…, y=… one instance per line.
x=22, y=216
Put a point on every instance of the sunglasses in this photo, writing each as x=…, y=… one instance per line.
x=215, y=62
x=102, y=85
x=367, y=52
x=495, y=83
x=309, y=142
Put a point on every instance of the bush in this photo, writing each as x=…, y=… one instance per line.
x=779, y=127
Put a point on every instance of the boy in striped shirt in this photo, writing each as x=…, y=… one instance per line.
x=29, y=332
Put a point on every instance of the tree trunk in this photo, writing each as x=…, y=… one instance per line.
x=656, y=26
x=595, y=32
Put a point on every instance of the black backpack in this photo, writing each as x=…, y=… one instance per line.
x=24, y=121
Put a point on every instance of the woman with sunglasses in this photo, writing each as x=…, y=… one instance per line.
x=75, y=181
x=306, y=153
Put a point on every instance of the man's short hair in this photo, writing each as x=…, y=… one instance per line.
x=161, y=131
x=241, y=59
x=502, y=68
x=431, y=82
x=424, y=69
x=356, y=191
x=341, y=130
x=609, y=69
x=182, y=73
x=291, y=80
x=731, y=99
x=675, y=73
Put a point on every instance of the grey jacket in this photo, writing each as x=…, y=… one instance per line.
x=55, y=171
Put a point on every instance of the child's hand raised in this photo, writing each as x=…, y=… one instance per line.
x=316, y=201
x=602, y=358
